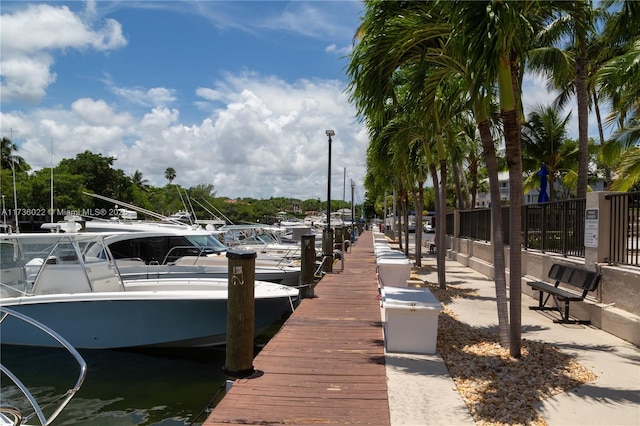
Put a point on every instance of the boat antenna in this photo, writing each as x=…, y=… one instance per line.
x=193, y=212
x=51, y=161
x=209, y=211
x=15, y=192
x=132, y=207
x=219, y=212
x=183, y=203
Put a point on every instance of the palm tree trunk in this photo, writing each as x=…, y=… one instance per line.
x=458, y=183
x=405, y=216
x=583, y=114
x=419, y=205
x=436, y=187
x=511, y=126
x=596, y=107
x=441, y=221
x=497, y=238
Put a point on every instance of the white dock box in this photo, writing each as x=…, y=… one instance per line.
x=393, y=271
x=411, y=320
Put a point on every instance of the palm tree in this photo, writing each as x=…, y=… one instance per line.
x=543, y=137
x=138, y=180
x=9, y=158
x=419, y=33
x=496, y=36
x=618, y=80
x=568, y=68
x=170, y=174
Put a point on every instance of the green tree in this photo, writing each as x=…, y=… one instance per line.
x=98, y=176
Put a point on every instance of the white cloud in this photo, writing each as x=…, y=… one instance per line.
x=256, y=136
x=342, y=51
x=28, y=36
x=268, y=139
x=157, y=96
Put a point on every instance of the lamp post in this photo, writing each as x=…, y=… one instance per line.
x=328, y=237
x=353, y=223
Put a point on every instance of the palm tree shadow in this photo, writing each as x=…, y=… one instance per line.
x=496, y=387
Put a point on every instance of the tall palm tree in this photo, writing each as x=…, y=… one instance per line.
x=571, y=67
x=543, y=137
x=497, y=34
x=624, y=71
x=618, y=81
x=419, y=33
x=170, y=174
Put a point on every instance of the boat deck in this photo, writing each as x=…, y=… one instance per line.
x=326, y=365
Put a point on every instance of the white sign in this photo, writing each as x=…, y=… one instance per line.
x=591, y=228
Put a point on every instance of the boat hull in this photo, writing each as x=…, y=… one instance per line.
x=133, y=319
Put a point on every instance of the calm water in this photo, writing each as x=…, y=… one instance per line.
x=159, y=387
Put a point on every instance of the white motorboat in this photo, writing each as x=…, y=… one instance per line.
x=54, y=279
x=168, y=250
x=169, y=254
x=263, y=239
x=12, y=410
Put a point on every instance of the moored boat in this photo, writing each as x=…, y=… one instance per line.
x=54, y=279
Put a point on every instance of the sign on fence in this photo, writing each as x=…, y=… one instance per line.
x=591, y=228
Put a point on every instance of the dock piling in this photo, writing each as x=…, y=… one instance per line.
x=240, y=314
x=308, y=266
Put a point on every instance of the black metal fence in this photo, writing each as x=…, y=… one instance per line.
x=476, y=224
x=556, y=227
x=624, y=236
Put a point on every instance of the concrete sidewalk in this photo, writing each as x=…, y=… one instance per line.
x=422, y=392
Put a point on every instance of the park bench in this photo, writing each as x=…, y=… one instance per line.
x=581, y=279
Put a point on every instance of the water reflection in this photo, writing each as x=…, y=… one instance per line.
x=151, y=387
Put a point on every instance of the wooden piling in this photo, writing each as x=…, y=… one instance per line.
x=327, y=250
x=308, y=266
x=240, y=313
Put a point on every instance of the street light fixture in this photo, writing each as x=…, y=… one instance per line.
x=328, y=238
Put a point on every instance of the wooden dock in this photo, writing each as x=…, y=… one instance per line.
x=326, y=365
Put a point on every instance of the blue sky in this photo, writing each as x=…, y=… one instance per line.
x=234, y=93
x=237, y=94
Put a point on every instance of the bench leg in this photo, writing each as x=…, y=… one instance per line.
x=564, y=318
x=542, y=302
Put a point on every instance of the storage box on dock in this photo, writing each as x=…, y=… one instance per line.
x=393, y=271
x=411, y=320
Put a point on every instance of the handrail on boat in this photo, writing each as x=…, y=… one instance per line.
x=6, y=312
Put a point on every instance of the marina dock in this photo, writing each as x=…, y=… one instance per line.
x=326, y=365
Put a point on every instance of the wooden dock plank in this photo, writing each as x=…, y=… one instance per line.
x=326, y=365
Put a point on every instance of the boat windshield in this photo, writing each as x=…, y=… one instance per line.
x=208, y=243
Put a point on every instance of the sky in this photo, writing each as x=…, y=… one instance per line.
x=237, y=94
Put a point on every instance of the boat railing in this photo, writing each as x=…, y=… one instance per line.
x=192, y=251
x=12, y=290
x=11, y=412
